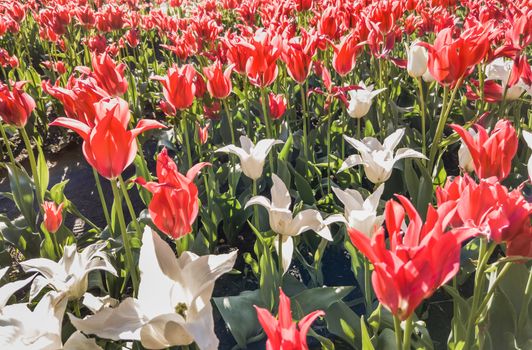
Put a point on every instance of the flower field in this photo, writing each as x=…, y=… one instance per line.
x=286, y=174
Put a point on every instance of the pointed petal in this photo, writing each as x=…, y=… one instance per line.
x=408, y=153
x=309, y=219
x=192, y=172
x=351, y=200
x=270, y=325
x=305, y=323
x=391, y=142
x=121, y=323
x=8, y=289
x=234, y=150
x=287, y=246
x=285, y=313
x=80, y=128
x=246, y=144
x=527, y=136
x=145, y=125
x=78, y=341
x=262, y=148
x=165, y=331
x=357, y=144
x=280, y=195
x=259, y=200
x=372, y=202
x=350, y=162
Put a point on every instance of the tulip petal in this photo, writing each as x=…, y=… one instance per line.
x=308, y=219
x=121, y=323
x=258, y=200
x=8, y=289
x=351, y=199
x=80, y=128
x=234, y=150
x=192, y=172
x=280, y=195
x=263, y=147
x=305, y=323
x=78, y=341
x=407, y=153
x=145, y=125
x=358, y=145
x=287, y=245
x=246, y=144
x=391, y=142
x=372, y=202
x=165, y=331
x=351, y=161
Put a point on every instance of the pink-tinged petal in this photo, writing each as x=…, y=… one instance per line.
x=145, y=125
x=270, y=326
x=192, y=172
x=363, y=243
x=304, y=326
x=285, y=313
x=412, y=235
x=80, y=128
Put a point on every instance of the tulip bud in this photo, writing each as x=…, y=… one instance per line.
x=53, y=216
x=15, y=105
x=417, y=60
x=277, y=105
x=361, y=100
x=218, y=80
x=465, y=160
x=203, y=133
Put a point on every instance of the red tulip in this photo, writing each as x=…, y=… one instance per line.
x=78, y=98
x=277, y=105
x=418, y=261
x=174, y=205
x=303, y=5
x=492, y=210
x=53, y=216
x=218, y=80
x=15, y=105
x=297, y=54
x=451, y=59
x=178, y=86
x=283, y=334
x=109, y=75
x=345, y=54
x=262, y=50
x=492, y=153
x=235, y=54
x=108, y=146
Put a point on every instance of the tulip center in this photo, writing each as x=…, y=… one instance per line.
x=181, y=309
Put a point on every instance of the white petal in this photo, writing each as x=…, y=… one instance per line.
x=287, y=246
x=309, y=219
x=121, y=323
x=408, y=153
x=234, y=150
x=78, y=341
x=280, y=194
x=374, y=93
x=391, y=142
x=357, y=144
x=202, y=329
x=8, y=289
x=372, y=202
x=263, y=147
x=351, y=199
x=165, y=331
x=528, y=138
x=246, y=144
x=95, y=304
x=46, y=267
x=530, y=167
x=350, y=162
x=258, y=200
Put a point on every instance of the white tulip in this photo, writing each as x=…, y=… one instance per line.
x=361, y=214
x=8, y=289
x=360, y=100
x=40, y=329
x=252, y=157
x=528, y=139
x=465, y=160
x=285, y=224
x=173, y=305
x=378, y=159
x=500, y=69
x=418, y=58
x=70, y=274
x=427, y=77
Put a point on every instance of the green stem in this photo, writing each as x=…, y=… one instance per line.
x=33, y=165
x=407, y=333
x=8, y=146
x=305, y=121
x=264, y=102
x=523, y=314
x=229, y=121
x=483, y=256
x=447, y=106
x=102, y=200
x=329, y=120
x=280, y=256
x=184, y=126
x=255, y=208
x=129, y=205
x=367, y=288
x=423, y=117
x=490, y=292
x=131, y=267
x=398, y=332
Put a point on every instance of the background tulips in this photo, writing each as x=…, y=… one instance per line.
x=352, y=174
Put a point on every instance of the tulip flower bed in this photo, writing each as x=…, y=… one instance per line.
x=287, y=174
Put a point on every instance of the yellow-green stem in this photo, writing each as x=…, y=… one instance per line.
x=33, y=165
x=102, y=201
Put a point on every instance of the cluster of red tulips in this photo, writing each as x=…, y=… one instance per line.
x=265, y=121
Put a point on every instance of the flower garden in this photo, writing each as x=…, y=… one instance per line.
x=288, y=174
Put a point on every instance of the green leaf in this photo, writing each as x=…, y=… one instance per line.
x=317, y=299
x=344, y=323
x=283, y=155
x=42, y=169
x=303, y=188
x=366, y=341
x=22, y=189
x=240, y=316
